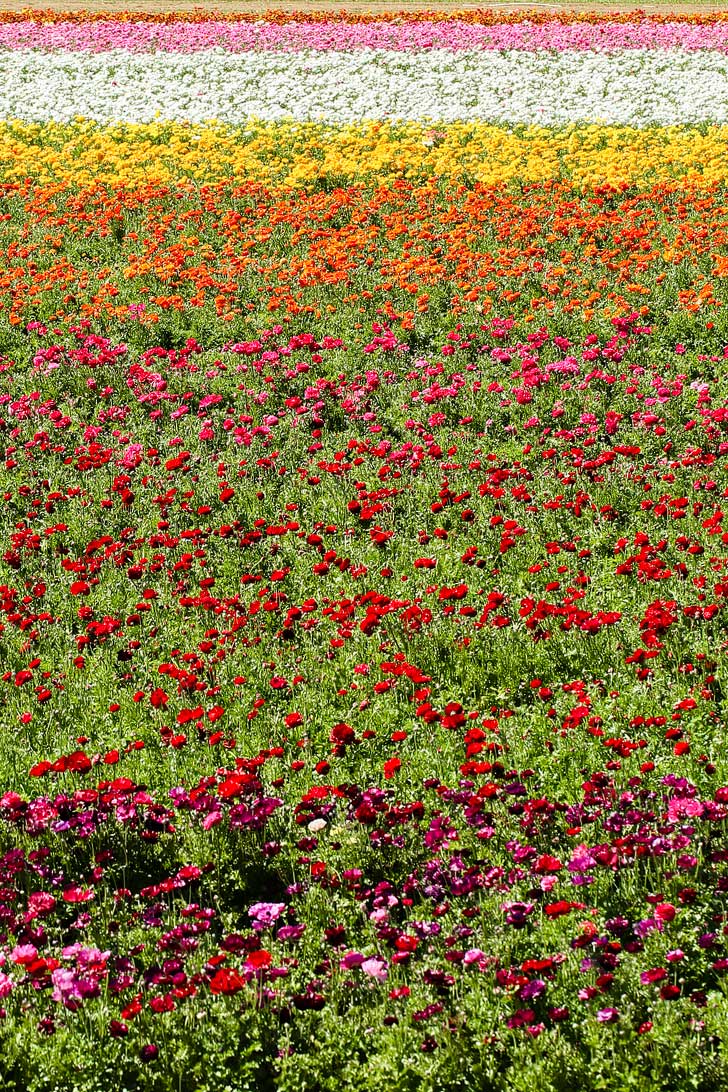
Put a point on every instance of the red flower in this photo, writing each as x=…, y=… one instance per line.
x=186, y=715
x=342, y=733
x=77, y=894
x=557, y=909
x=226, y=981
x=657, y=974
x=78, y=762
x=391, y=766
x=258, y=960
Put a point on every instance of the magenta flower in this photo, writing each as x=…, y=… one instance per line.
x=265, y=914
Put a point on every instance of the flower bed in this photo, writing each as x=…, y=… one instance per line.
x=363, y=567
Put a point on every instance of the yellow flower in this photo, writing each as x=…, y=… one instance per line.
x=299, y=154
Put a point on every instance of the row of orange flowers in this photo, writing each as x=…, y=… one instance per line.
x=238, y=248
x=480, y=16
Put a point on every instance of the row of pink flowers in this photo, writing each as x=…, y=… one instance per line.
x=183, y=37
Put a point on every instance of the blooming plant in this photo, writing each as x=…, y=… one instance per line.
x=364, y=553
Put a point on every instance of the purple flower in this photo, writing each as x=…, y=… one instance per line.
x=517, y=913
x=532, y=990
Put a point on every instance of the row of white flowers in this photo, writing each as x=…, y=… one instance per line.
x=630, y=87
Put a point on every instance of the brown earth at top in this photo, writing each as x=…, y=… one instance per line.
x=677, y=7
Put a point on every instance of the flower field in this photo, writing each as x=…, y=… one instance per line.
x=364, y=560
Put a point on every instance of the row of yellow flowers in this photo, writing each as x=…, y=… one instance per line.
x=299, y=154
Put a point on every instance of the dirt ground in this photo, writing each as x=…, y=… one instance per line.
x=602, y=6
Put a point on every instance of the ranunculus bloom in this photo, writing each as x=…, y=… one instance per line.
x=375, y=968
x=265, y=914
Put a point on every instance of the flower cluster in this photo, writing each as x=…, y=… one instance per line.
x=182, y=35
x=514, y=86
x=311, y=156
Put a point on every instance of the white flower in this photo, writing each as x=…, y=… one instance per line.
x=625, y=87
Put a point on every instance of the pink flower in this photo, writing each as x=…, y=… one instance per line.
x=265, y=914
x=132, y=456
x=684, y=807
x=375, y=968
x=24, y=953
x=71, y=988
x=40, y=902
